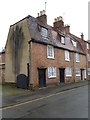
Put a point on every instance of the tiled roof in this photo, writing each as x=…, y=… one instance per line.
x=53, y=36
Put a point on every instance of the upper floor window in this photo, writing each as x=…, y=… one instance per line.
x=68, y=71
x=50, y=51
x=87, y=46
x=62, y=40
x=77, y=57
x=88, y=57
x=44, y=32
x=74, y=43
x=67, y=55
x=51, y=72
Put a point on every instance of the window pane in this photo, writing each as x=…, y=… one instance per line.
x=77, y=72
x=66, y=55
x=62, y=40
x=44, y=32
x=68, y=71
x=88, y=71
x=51, y=72
x=50, y=51
x=77, y=57
x=74, y=43
x=88, y=56
x=87, y=46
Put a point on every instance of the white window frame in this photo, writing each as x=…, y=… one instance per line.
x=77, y=57
x=88, y=57
x=44, y=32
x=68, y=72
x=50, y=51
x=87, y=46
x=67, y=56
x=62, y=40
x=88, y=71
x=74, y=43
x=77, y=70
x=52, y=72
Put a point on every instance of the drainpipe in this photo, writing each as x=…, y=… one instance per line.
x=30, y=64
x=74, y=65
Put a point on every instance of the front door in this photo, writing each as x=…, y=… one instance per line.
x=42, y=77
x=62, y=75
x=82, y=74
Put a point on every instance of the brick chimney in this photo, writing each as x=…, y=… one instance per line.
x=58, y=23
x=42, y=17
x=67, y=28
x=82, y=36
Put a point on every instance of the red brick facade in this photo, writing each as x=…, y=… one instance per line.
x=53, y=54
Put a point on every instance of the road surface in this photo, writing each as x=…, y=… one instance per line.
x=72, y=103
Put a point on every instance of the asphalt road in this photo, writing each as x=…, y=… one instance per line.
x=67, y=104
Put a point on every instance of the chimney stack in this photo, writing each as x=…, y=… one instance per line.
x=82, y=36
x=67, y=28
x=42, y=17
x=58, y=23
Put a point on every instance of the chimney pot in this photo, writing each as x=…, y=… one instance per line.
x=55, y=20
x=38, y=14
x=82, y=36
x=44, y=12
x=58, y=23
x=42, y=17
x=67, y=28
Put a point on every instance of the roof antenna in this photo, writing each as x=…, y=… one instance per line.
x=45, y=6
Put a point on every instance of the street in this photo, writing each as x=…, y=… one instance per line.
x=72, y=103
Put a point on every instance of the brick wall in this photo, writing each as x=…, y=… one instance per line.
x=39, y=60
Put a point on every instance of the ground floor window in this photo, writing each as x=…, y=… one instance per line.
x=68, y=72
x=88, y=71
x=51, y=72
x=77, y=72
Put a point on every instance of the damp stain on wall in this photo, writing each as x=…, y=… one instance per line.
x=16, y=44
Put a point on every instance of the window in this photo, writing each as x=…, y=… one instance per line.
x=67, y=55
x=77, y=57
x=87, y=46
x=88, y=57
x=44, y=32
x=74, y=43
x=62, y=40
x=77, y=72
x=68, y=72
x=88, y=71
x=51, y=72
x=50, y=51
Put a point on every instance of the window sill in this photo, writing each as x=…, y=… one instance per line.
x=77, y=61
x=51, y=58
x=68, y=75
x=52, y=77
x=77, y=75
x=67, y=60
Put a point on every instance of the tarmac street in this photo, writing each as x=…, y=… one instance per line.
x=71, y=103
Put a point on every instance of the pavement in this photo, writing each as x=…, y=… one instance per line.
x=28, y=95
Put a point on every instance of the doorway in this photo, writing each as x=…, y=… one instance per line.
x=62, y=75
x=82, y=74
x=42, y=77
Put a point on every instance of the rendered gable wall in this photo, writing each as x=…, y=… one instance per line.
x=17, y=49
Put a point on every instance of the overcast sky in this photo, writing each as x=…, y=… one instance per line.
x=74, y=12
